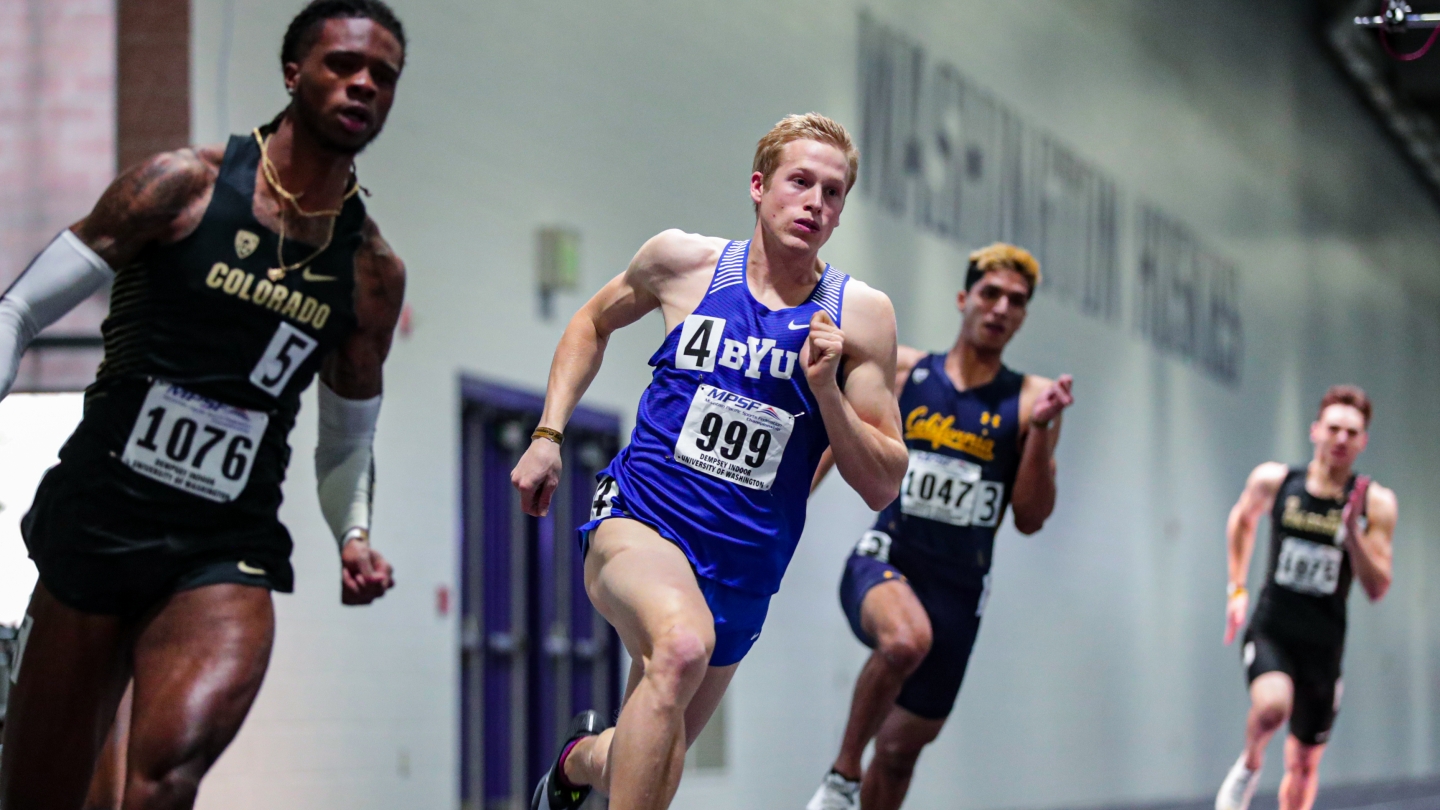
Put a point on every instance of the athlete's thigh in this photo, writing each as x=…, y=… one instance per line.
x=1275, y=689
x=707, y=698
x=892, y=608
x=72, y=674
x=199, y=661
x=643, y=585
x=905, y=733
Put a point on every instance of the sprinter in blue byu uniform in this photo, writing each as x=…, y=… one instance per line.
x=980, y=437
x=696, y=519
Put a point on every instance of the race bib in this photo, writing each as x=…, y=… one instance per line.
x=949, y=490
x=1310, y=568
x=735, y=438
x=194, y=444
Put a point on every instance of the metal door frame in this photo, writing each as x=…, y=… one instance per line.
x=487, y=406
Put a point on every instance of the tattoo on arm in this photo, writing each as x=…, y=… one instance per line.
x=354, y=370
x=147, y=203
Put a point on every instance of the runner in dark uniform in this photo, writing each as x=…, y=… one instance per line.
x=1327, y=527
x=981, y=437
x=157, y=537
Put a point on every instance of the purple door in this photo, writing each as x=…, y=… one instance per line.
x=533, y=650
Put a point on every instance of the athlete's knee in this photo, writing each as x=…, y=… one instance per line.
x=896, y=758
x=1271, y=714
x=1302, y=762
x=680, y=658
x=905, y=646
x=163, y=787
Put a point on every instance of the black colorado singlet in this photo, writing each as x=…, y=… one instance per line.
x=964, y=452
x=206, y=352
x=1308, y=578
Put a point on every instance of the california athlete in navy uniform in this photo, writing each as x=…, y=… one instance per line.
x=980, y=439
x=1329, y=528
x=939, y=535
x=769, y=356
x=239, y=276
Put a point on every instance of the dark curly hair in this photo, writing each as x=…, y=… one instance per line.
x=304, y=30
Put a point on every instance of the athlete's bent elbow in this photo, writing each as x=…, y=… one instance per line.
x=1377, y=590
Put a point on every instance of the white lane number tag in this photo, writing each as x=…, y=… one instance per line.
x=735, y=438
x=193, y=443
x=287, y=350
x=949, y=490
x=1309, y=568
x=699, y=343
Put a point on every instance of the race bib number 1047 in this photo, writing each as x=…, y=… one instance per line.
x=950, y=490
x=193, y=443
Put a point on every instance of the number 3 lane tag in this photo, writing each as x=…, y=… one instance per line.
x=194, y=444
x=733, y=437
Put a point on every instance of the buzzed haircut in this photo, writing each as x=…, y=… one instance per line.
x=1352, y=395
x=304, y=30
x=1002, y=255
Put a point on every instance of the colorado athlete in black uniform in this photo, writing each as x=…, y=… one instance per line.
x=1327, y=527
x=981, y=438
x=239, y=275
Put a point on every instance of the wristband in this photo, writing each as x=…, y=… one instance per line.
x=1233, y=591
x=548, y=433
x=1046, y=425
x=356, y=533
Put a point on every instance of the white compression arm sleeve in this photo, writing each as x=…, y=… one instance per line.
x=344, y=463
x=65, y=273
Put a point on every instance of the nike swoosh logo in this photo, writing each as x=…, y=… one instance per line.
x=309, y=276
x=794, y=325
x=246, y=568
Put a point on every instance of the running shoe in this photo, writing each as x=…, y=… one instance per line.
x=835, y=793
x=1238, y=788
x=550, y=794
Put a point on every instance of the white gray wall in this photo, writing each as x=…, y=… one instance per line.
x=1099, y=675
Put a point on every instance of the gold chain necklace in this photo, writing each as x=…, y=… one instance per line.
x=273, y=179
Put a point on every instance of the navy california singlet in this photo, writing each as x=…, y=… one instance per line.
x=964, y=451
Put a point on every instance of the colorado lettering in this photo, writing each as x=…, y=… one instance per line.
x=940, y=432
x=291, y=304
x=1302, y=521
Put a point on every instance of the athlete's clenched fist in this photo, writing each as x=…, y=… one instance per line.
x=537, y=475
x=365, y=575
x=823, y=351
x=1053, y=400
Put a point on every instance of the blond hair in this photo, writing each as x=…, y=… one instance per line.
x=1002, y=255
x=811, y=126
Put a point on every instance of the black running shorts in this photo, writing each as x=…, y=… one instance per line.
x=1313, y=669
x=954, y=610
x=98, y=553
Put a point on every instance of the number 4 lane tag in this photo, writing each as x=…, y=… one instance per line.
x=194, y=444
x=699, y=343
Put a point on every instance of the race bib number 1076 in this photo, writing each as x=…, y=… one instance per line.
x=1307, y=567
x=950, y=490
x=193, y=443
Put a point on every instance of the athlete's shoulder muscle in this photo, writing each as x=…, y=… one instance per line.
x=160, y=199
x=675, y=268
x=1265, y=480
x=868, y=320
x=1381, y=505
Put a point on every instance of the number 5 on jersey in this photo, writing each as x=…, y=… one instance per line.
x=699, y=343
x=283, y=357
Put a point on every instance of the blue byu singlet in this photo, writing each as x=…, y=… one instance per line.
x=964, y=451
x=728, y=434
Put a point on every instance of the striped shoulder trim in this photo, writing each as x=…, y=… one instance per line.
x=830, y=292
x=731, y=268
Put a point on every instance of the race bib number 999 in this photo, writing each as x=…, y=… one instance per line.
x=733, y=437
x=193, y=443
x=1307, y=567
x=949, y=490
